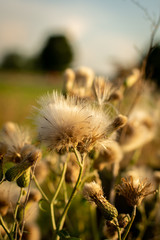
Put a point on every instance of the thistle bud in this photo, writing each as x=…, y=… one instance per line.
x=94, y=193
x=16, y=171
x=118, y=123
x=24, y=179
x=123, y=220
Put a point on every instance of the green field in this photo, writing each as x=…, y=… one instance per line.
x=19, y=92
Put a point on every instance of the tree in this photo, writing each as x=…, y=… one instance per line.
x=13, y=61
x=152, y=70
x=56, y=55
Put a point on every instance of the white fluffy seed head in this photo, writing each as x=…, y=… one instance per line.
x=14, y=138
x=92, y=190
x=65, y=123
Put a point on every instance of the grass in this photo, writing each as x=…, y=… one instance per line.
x=19, y=92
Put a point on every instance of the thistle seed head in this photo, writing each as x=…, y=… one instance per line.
x=134, y=191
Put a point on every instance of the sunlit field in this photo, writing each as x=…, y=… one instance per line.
x=19, y=92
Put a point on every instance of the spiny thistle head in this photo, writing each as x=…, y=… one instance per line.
x=110, y=154
x=14, y=138
x=119, y=122
x=68, y=123
x=103, y=89
x=24, y=179
x=94, y=193
x=16, y=171
x=139, y=130
x=134, y=191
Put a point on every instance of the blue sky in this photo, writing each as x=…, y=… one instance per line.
x=100, y=31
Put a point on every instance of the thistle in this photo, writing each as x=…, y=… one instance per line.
x=14, y=138
x=94, y=193
x=24, y=179
x=16, y=171
x=64, y=124
x=134, y=191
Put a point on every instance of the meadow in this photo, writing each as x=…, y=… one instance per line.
x=19, y=92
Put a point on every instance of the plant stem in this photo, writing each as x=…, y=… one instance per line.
x=16, y=210
x=40, y=189
x=130, y=224
x=56, y=194
x=119, y=233
x=5, y=228
x=64, y=213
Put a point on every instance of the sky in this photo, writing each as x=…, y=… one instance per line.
x=101, y=31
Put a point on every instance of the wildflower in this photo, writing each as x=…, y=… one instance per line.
x=94, y=193
x=15, y=139
x=84, y=77
x=110, y=154
x=134, y=191
x=139, y=130
x=69, y=77
x=103, y=89
x=16, y=171
x=68, y=123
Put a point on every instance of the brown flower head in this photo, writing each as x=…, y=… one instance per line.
x=16, y=140
x=134, y=190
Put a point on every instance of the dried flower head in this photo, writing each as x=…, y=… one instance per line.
x=134, y=190
x=69, y=77
x=94, y=194
x=16, y=171
x=15, y=138
x=69, y=123
x=84, y=77
x=110, y=154
x=103, y=89
x=139, y=130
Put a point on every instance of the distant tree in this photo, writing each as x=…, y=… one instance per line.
x=57, y=54
x=13, y=61
x=152, y=70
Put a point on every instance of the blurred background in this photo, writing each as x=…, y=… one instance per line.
x=39, y=39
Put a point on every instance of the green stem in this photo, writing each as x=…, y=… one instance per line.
x=56, y=194
x=130, y=224
x=75, y=189
x=16, y=210
x=119, y=233
x=5, y=228
x=40, y=189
